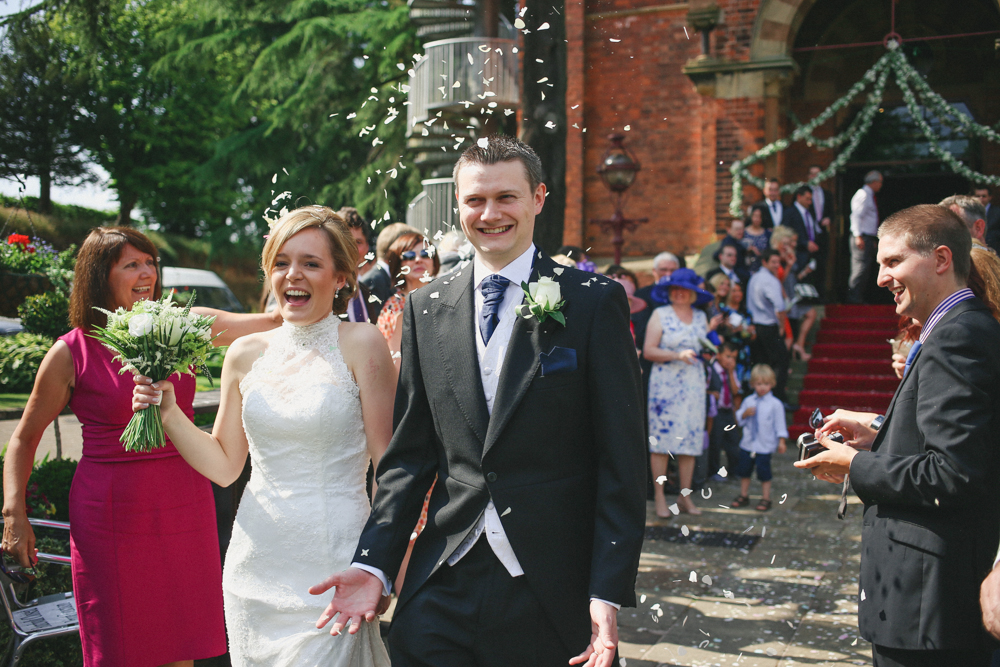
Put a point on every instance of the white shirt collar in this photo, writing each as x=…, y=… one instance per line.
x=517, y=272
x=802, y=209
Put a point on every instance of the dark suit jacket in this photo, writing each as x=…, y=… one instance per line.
x=372, y=308
x=768, y=221
x=562, y=456
x=794, y=221
x=993, y=226
x=932, y=499
x=378, y=283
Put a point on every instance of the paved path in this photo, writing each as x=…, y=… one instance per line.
x=790, y=599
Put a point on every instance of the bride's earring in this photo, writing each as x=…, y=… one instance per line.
x=337, y=293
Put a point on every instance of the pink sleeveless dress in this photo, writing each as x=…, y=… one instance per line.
x=147, y=574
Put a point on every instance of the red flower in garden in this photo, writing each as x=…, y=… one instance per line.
x=18, y=239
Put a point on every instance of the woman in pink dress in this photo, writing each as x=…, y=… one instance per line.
x=147, y=576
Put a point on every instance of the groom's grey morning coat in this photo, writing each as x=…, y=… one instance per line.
x=562, y=456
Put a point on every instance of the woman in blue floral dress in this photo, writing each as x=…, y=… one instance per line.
x=677, y=382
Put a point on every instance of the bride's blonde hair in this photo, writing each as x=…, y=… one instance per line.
x=343, y=249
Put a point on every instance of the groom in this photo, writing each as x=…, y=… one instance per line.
x=535, y=433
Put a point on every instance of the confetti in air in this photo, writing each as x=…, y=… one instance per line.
x=483, y=143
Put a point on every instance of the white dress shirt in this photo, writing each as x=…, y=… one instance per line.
x=777, y=210
x=864, y=213
x=729, y=273
x=765, y=299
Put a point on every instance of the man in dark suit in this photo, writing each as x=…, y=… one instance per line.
x=532, y=424
x=770, y=206
x=822, y=210
x=361, y=307
x=982, y=193
x=928, y=475
x=799, y=218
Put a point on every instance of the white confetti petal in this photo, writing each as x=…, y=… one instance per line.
x=612, y=39
x=558, y=271
x=505, y=512
x=483, y=143
x=784, y=497
x=435, y=295
x=722, y=472
x=707, y=580
x=685, y=531
x=628, y=127
x=675, y=509
x=274, y=179
x=863, y=595
x=642, y=598
x=685, y=492
x=661, y=479
x=544, y=26
x=519, y=23
x=693, y=577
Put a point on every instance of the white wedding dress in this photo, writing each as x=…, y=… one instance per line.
x=304, y=508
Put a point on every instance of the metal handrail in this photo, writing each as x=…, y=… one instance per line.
x=485, y=69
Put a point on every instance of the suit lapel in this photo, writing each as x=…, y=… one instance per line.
x=456, y=332
x=521, y=363
x=959, y=307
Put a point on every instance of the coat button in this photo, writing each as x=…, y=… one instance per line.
x=491, y=477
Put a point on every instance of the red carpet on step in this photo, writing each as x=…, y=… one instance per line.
x=850, y=366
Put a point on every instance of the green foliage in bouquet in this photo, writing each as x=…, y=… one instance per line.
x=20, y=357
x=155, y=339
x=45, y=314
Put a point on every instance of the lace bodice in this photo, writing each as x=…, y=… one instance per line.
x=305, y=504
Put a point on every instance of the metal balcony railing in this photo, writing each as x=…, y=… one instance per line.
x=433, y=209
x=464, y=74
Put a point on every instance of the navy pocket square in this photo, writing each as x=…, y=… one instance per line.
x=558, y=360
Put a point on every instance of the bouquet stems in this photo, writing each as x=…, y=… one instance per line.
x=144, y=432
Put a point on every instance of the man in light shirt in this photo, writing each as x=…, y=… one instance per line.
x=771, y=207
x=766, y=303
x=864, y=239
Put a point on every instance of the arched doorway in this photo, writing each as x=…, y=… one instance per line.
x=964, y=70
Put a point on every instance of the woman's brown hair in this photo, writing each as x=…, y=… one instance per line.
x=100, y=251
x=409, y=241
x=343, y=249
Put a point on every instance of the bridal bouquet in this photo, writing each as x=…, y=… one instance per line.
x=155, y=339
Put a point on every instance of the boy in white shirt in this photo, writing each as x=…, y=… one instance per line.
x=762, y=417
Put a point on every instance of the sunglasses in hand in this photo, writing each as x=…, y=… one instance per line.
x=16, y=572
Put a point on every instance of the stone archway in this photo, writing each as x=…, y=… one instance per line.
x=776, y=25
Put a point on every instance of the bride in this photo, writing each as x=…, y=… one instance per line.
x=311, y=401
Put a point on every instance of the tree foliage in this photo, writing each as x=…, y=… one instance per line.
x=39, y=121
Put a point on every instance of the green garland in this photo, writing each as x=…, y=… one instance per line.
x=893, y=62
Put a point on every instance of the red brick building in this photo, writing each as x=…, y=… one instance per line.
x=636, y=66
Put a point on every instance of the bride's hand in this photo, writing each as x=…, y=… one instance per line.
x=356, y=599
x=148, y=393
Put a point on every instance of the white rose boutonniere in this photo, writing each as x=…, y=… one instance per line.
x=543, y=300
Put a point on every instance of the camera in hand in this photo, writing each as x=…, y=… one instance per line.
x=809, y=446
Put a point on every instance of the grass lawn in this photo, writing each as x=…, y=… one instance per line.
x=12, y=401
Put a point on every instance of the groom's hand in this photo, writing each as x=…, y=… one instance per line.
x=356, y=599
x=603, y=637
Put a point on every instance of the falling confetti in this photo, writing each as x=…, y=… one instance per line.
x=612, y=39
x=544, y=26
x=685, y=492
x=784, y=497
x=693, y=578
x=483, y=142
x=685, y=531
x=661, y=480
x=722, y=472
x=686, y=32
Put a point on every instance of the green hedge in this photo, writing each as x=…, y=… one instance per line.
x=20, y=357
x=45, y=314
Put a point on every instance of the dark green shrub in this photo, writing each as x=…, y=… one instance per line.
x=20, y=357
x=45, y=314
x=54, y=477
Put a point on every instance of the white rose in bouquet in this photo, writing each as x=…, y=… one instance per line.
x=155, y=339
x=140, y=325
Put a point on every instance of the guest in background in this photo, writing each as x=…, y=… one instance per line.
x=756, y=239
x=677, y=382
x=664, y=264
x=799, y=218
x=724, y=435
x=972, y=212
x=413, y=261
x=864, y=242
x=985, y=197
x=378, y=280
x=766, y=302
x=734, y=237
x=738, y=329
x=630, y=282
x=771, y=208
x=822, y=211
x=453, y=249
x=361, y=308
x=729, y=264
x=579, y=257
x=719, y=286
x=801, y=296
x=762, y=417
x=143, y=534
